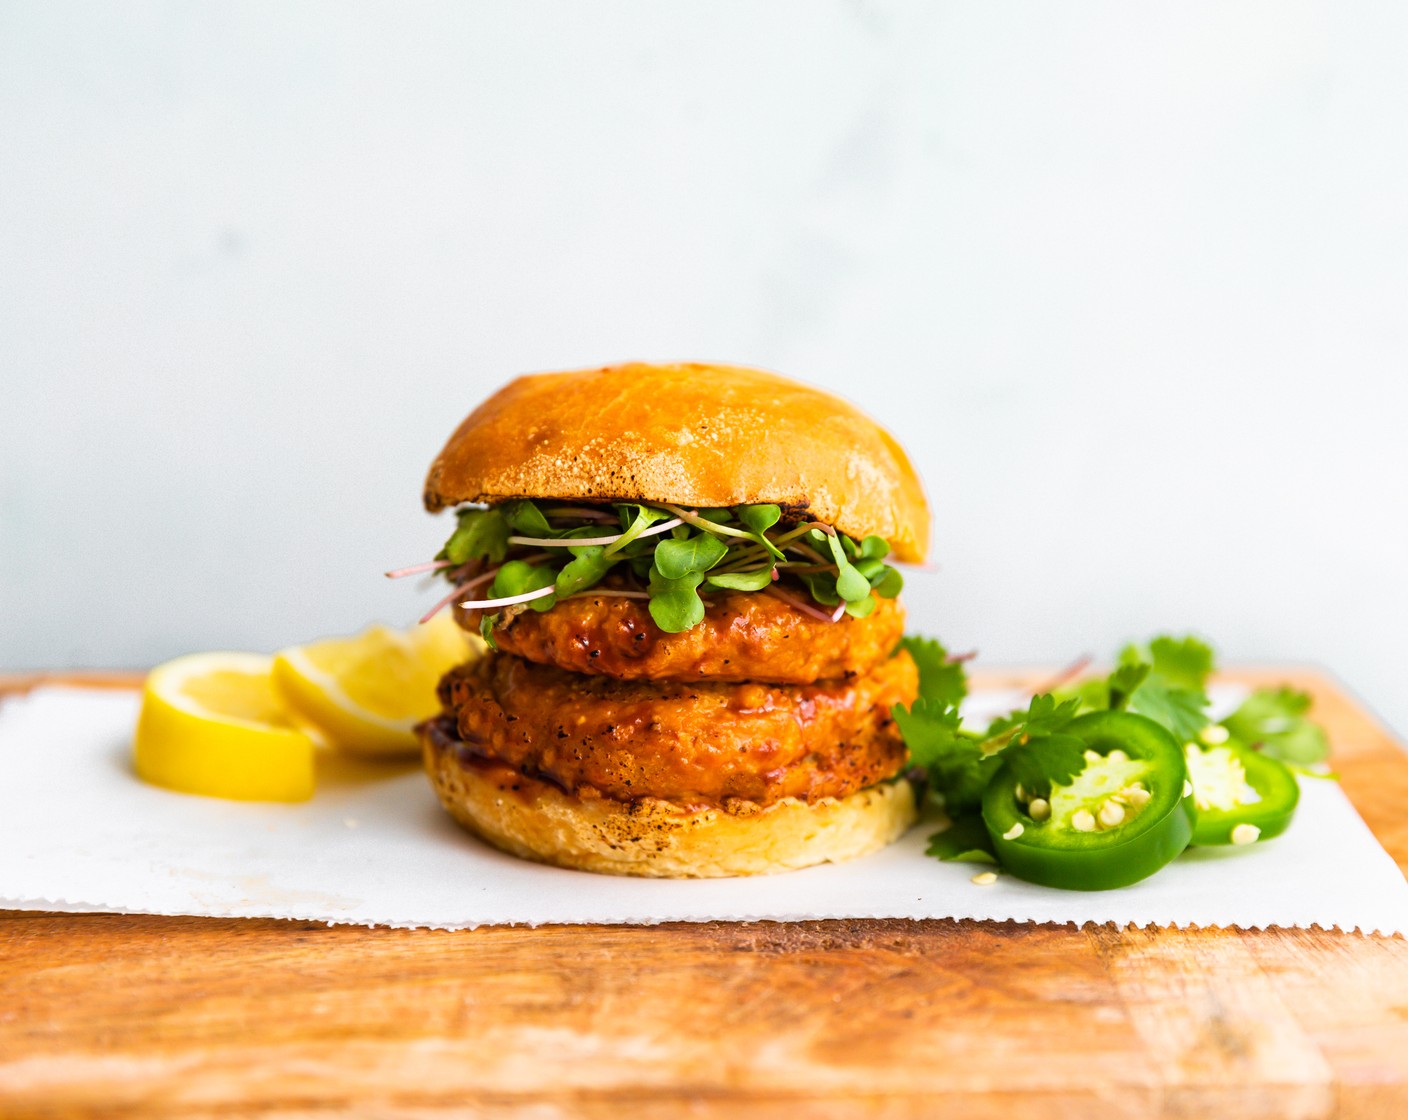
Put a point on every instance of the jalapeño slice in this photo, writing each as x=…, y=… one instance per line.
x=1240, y=795
x=1126, y=814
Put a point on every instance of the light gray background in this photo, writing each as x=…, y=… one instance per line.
x=1129, y=281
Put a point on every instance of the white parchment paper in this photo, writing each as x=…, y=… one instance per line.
x=78, y=831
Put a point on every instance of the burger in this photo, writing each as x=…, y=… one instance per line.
x=684, y=576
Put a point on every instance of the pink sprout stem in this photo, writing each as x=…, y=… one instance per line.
x=463, y=589
x=806, y=608
x=443, y=603
x=416, y=569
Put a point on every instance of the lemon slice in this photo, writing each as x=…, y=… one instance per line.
x=212, y=723
x=366, y=693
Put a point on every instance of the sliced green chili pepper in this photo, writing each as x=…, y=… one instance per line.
x=1126, y=814
x=1239, y=795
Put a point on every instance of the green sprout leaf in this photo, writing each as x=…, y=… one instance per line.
x=526, y=518
x=675, y=559
x=822, y=587
x=874, y=548
x=850, y=584
x=635, y=519
x=588, y=565
x=759, y=518
x=890, y=583
x=861, y=608
x=870, y=569
x=518, y=578
x=480, y=533
x=674, y=603
x=755, y=580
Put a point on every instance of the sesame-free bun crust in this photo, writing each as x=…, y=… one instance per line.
x=692, y=434
x=534, y=820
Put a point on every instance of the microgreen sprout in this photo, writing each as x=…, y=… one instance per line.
x=522, y=555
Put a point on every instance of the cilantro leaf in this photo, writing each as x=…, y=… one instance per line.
x=1032, y=744
x=930, y=731
x=965, y=840
x=1163, y=681
x=1124, y=682
x=1045, y=715
x=941, y=680
x=1185, y=663
x=1045, y=760
x=957, y=767
x=1274, y=719
x=1183, y=711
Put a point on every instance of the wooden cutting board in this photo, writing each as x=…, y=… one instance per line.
x=117, y=1016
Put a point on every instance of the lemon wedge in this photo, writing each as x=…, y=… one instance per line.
x=366, y=693
x=211, y=723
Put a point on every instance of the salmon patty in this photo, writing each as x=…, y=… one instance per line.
x=701, y=743
x=745, y=636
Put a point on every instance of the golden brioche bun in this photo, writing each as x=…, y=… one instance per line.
x=653, y=838
x=692, y=434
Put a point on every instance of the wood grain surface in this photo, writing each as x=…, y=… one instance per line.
x=108, y=1015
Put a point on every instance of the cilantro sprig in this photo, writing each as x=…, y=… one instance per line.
x=521, y=555
x=1164, y=680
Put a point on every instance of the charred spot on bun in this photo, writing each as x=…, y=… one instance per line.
x=683, y=573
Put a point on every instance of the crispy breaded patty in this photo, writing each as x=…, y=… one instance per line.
x=702, y=743
x=745, y=636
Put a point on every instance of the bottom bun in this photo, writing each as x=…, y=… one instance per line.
x=659, y=839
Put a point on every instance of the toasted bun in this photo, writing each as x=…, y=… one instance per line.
x=692, y=434
x=653, y=838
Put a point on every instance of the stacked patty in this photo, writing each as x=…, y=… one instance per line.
x=758, y=705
